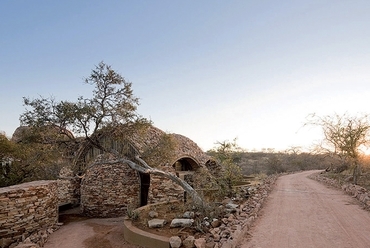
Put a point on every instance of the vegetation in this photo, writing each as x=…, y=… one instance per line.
x=227, y=154
x=54, y=130
x=344, y=136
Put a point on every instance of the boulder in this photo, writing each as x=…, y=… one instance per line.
x=156, y=223
x=188, y=215
x=189, y=242
x=200, y=243
x=175, y=242
x=182, y=222
x=153, y=214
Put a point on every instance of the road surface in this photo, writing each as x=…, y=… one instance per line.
x=301, y=212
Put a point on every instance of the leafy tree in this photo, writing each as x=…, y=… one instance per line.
x=112, y=105
x=344, y=136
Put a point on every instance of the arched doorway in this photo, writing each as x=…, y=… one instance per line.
x=185, y=168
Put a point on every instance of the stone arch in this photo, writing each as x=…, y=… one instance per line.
x=186, y=163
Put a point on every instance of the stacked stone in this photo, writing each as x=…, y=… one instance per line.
x=107, y=190
x=25, y=209
x=163, y=189
x=68, y=187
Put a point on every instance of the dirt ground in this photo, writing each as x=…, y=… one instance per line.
x=301, y=212
x=80, y=232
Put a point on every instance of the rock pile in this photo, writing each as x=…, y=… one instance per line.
x=358, y=192
x=236, y=219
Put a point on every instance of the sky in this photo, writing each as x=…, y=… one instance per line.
x=210, y=70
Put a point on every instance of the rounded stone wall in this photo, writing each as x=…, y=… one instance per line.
x=107, y=190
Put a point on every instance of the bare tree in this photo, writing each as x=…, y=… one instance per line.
x=344, y=136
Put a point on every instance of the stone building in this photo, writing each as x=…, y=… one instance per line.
x=109, y=190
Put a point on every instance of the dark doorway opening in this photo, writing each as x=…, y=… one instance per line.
x=144, y=188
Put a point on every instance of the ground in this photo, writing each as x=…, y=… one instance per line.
x=168, y=211
x=78, y=232
x=301, y=212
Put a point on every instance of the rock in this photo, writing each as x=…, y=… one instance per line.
x=156, y=223
x=5, y=242
x=210, y=244
x=188, y=215
x=200, y=243
x=215, y=223
x=225, y=221
x=225, y=233
x=232, y=206
x=189, y=242
x=227, y=244
x=175, y=242
x=153, y=214
x=182, y=223
x=216, y=237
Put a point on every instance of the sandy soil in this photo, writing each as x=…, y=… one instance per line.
x=301, y=212
x=78, y=232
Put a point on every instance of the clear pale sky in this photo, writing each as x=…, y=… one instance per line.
x=210, y=70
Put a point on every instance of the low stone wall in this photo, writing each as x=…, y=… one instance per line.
x=25, y=209
x=358, y=192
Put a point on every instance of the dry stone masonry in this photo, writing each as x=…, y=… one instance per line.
x=26, y=209
x=68, y=187
x=107, y=190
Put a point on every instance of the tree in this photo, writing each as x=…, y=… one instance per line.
x=344, y=136
x=112, y=105
x=227, y=154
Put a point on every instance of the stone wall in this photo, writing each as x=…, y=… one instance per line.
x=68, y=187
x=107, y=190
x=163, y=189
x=26, y=209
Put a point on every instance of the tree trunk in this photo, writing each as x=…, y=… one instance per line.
x=356, y=173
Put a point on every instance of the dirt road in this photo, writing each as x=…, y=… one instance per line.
x=301, y=212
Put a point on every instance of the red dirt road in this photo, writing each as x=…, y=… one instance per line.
x=301, y=212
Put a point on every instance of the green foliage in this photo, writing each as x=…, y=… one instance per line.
x=112, y=104
x=132, y=214
x=227, y=154
x=32, y=158
x=6, y=147
x=67, y=124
